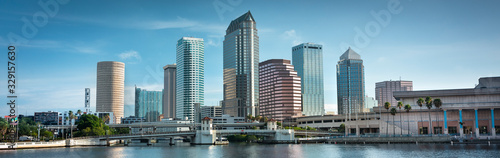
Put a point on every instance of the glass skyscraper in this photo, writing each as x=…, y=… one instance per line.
x=148, y=104
x=241, y=67
x=189, y=76
x=307, y=58
x=350, y=83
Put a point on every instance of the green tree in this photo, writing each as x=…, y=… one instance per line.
x=250, y=117
x=90, y=125
x=393, y=112
x=407, y=109
x=400, y=105
x=258, y=118
x=342, y=128
x=4, y=125
x=428, y=104
x=438, y=104
x=79, y=112
x=387, y=105
x=421, y=102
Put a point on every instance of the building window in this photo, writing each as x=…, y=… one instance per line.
x=483, y=130
x=438, y=130
x=452, y=130
x=424, y=130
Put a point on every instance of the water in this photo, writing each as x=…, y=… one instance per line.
x=265, y=150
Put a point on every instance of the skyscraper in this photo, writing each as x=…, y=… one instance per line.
x=279, y=88
x=350, y=83
x=241, y=67
x=148, y=104
x=383, y=90
x=189, y=76
x=169, y=91
x=307, y=58
x=110, y=88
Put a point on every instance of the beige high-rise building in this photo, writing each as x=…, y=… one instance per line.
x=110, y=88
x=384, y=91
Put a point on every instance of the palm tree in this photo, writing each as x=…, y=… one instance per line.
x=408, y=108
x=387, y=105
x=393, y=112
x=437, y=104
x=428, y=103
x=79, y=112
x=420, y=102
x=71, y=117
x=250, y=117
x=400, y=105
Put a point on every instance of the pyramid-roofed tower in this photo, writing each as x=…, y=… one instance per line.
x=350, y=54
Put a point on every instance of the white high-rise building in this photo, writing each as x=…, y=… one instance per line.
x=189, y=76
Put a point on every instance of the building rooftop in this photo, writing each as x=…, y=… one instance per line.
x=235, y=23
x=350, y=54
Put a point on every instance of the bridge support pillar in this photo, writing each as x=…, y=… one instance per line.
x=125, y=142
x=172, y=141
x=149, y=142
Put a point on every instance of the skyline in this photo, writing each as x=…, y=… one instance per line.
x=59, y=61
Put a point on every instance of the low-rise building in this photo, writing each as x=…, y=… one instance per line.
x=47, y=118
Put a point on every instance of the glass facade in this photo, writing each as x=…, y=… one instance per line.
x=350, y=83
x=241, y=67
x=307, y=58
x=190, y=87
x=148, y=104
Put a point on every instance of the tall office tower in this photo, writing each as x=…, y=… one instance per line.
x=110, y=88
x=87, y=100
x=383, y=91
x=241, y=67
x=350, y=83
x=169, y=91
x=307, y=58
x=148, y=104
x=189, y=76
x=279, y=88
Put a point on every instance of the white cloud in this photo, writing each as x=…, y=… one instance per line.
x=130, y=55
x=292, y=36
x=177, y=23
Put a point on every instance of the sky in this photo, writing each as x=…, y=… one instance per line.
x=436, y=44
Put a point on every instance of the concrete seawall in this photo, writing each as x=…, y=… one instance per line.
x=59, y=143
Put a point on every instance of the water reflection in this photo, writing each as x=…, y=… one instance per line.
x=252, y=150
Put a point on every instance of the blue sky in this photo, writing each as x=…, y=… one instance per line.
x=436, y=44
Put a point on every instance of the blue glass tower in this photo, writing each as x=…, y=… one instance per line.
x=308, y=61
x=241, y=67
x=148, y=104
x=190, y=87
x=350, y=83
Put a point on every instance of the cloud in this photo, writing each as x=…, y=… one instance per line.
x=130, y=55
x=177, y=23
x=292, y=36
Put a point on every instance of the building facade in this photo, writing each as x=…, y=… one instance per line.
x=241, y=67
x=279, y=89
x=110, y=88
x=383, y=90
x=307, y=58
x=478, y=109
x=211, y=111
x=132, y=119
x=47, y=118
x=169, y=90
x=350, y=83
x=190, y=87
x=148, y=104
